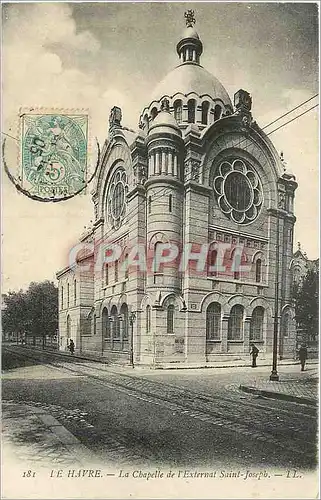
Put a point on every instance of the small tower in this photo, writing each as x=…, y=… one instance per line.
x=164, y=192
x=190, y=47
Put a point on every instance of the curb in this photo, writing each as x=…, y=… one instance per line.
x=279, y=395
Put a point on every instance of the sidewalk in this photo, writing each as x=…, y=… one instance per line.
x=297, y=390
x=237, y=362
x=32, y=437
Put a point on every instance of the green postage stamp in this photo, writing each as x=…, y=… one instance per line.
x=53, y=152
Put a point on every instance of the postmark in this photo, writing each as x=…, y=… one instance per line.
x=53, y=151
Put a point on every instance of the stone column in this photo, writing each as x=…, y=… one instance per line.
x=157, y=163
x=163, y=162
x=170, y=162
x=224, y=334
x=175, y=169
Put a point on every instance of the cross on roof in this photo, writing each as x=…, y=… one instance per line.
x=190, y=18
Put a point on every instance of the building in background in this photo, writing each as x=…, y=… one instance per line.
x=307, y=333
x=198, y=171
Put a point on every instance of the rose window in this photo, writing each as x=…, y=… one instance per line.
x=117, y=198
x=238, y=191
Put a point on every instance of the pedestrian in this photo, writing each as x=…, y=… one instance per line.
x=254, y=353
x=71, y=346
x=303, y=354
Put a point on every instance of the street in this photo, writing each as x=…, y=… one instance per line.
x=165, y=418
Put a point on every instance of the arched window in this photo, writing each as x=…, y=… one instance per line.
x=256, y=325
x=157, y=266
x=115, y=331
x=126, y=265
x=238, y=259
x=62, y=297
x=124, y=322
x=146, y=123
x=116, y=270
x=213, y=321
x=106, y=274
x=75, y=292
x=212, y=263
x=153, y=113
x=170, y=202
x=217, y=112
x=237, y=263
x=178, y=110
x=258, y=270
x=170, y=319
x=235, y=323
x=205, y=108
x=94, y=324
x=68, y=294
x=149, y=204
x=148, y=317
x=191, y=104
x=68, y=327
x=105, y=325
x=285, y=324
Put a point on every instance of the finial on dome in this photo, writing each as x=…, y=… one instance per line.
x=189, y=18
x=190, y=47
x=165, y=105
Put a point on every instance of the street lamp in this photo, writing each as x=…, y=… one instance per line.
x=132, y=318
x=274, y=373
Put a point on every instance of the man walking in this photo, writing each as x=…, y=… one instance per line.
x=303, y=354
x=254, y=353
x=71, y=346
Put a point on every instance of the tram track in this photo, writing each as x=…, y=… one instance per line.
x=228, y=414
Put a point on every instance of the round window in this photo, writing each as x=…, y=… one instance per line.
x=238, y=191
x=118, y=189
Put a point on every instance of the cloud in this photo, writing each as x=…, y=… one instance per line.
x=36, y=74
x=43, y=24
x=34, y=70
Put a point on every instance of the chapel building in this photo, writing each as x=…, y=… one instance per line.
x=198, y=172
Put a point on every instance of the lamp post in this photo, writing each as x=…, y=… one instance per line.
x=274, y=373
x=132, y=318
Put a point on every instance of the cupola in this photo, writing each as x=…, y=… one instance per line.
x=195, y=96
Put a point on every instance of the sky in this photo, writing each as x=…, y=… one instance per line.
x=97, y=55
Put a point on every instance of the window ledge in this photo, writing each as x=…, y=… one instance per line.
x=213, y=341
x=104, y=287
x=238, y=282
x=236, y=341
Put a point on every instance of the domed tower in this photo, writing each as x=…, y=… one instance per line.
x=194, y=94
x=164, y=194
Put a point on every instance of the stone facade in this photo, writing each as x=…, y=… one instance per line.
x=192, y=175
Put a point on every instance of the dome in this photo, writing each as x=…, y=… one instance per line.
x=164, y=122
x=164, y=118
x=188, y=78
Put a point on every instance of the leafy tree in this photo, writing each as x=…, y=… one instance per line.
x=33, y=312
x=13, y=314
x=307, y=303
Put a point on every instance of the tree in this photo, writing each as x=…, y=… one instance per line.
x=307, y=303
x=33, y=312
x=13, y=313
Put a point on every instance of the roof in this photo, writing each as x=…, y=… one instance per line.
x=188, y=78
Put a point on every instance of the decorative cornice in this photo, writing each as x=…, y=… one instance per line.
x=138, y=190
x=194, y=186
x=164, y=179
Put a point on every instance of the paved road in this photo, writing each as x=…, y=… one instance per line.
x=164, y=418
